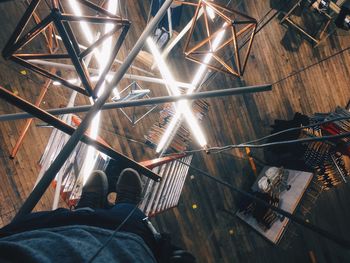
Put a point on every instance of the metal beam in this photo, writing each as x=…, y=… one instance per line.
x=110, y=60
x=144, y=102
x=50, y=174
x=61, y=125
x=96, y=71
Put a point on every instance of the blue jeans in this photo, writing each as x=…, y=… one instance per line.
x=104, y=218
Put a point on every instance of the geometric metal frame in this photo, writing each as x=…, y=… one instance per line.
x=231, y=21
x=133, y=86
x=60, y=20
x=77, y=135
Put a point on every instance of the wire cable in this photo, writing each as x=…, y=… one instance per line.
x=299, y=128
x=249, y=144
x=218, y=149
x=303, y=140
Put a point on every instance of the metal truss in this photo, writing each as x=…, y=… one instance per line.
x=60, y=20
x=236, y=24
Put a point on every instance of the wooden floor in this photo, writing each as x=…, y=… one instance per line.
x=210, y=231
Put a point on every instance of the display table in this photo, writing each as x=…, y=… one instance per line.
x=289, y=200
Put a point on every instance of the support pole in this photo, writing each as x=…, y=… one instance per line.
x=96, y=71
x=145, y=102
x=172, y=43
x=29, y=121
x=50, y=174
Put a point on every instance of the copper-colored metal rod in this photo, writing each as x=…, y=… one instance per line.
x=290, y=11
x=55, y=4
x=222, y=45
x=42, y=94
x=64, y=127
x=29, y=121
x=246, y=28
x=248, y=49
x=212, y=67
x=212, y=5
x=43, y=56
x=236, y=50
x=185, y=3
x=207, y=27
x=47, y=35
x=37, y=21
x=302, y=30
x=192, y=27
x=203, y=42
x=220, y=13
x=49, y=38
x=222, y=62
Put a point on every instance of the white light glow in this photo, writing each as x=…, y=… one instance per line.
x=195, y=82
x=202, y=69
x=127, y=76
x=210, y=12
x=83, y=25
x=182, y=106
x=102, y=59
x=71, y=81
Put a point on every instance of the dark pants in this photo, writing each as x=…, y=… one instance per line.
x=103, y=218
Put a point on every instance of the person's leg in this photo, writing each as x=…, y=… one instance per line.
x=129, y=190
x=129, y=187
x=33, y=221
x=93, y=197
x=94, y=192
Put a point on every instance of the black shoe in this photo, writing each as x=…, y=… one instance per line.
x=94, y=191
x=129, y=187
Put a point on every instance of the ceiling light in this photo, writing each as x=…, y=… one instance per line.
x=195, y=82
x=182, y=106
x=102, y=58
